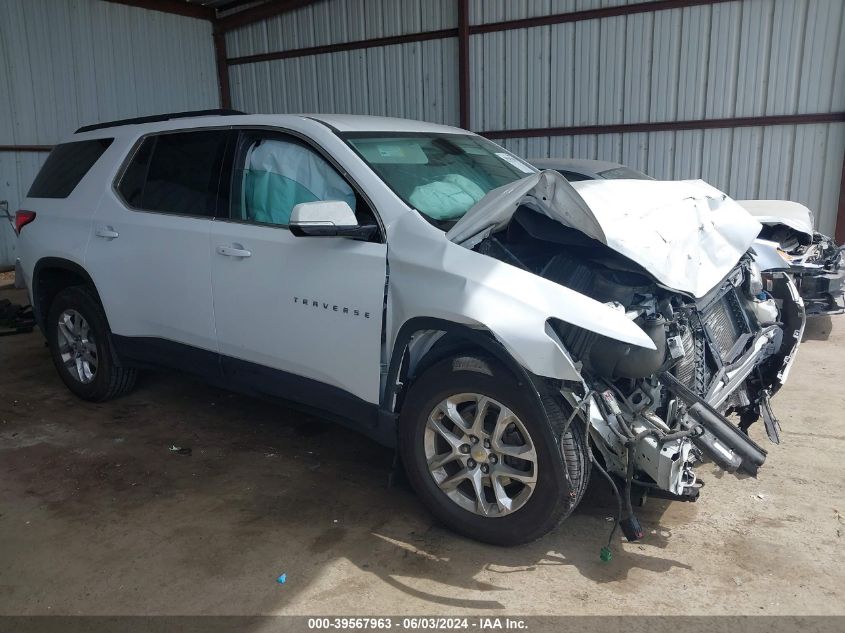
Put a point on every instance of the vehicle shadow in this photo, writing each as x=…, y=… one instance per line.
x=574, y=544
x=818, y=328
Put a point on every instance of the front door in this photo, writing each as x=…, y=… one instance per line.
x=297, y=317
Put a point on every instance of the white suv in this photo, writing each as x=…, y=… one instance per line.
x=507, y=331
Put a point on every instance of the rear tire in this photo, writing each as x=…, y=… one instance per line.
x=79, y=339
x=525, y=440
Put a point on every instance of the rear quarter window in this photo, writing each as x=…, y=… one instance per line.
x=66, y=165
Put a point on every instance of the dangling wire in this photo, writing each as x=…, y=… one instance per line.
x=606, y=555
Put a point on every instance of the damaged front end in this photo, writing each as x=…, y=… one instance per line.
x=818, y=269
x=814, y=260
x=725, y=353
x=721, y=349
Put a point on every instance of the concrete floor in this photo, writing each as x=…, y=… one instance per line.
x=98, y=516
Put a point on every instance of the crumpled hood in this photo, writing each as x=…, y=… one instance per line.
x=687, y=234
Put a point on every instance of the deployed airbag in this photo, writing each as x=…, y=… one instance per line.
x=447, y=198
x=281, y=174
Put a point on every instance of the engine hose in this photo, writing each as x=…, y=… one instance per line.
x=642, y=435
x=625, y=399
x=661, y=437
x=620, y=418
x=612, y=417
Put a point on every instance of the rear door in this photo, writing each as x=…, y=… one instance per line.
x=148, y=252
x=297, y=317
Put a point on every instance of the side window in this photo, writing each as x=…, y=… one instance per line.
x=66, y=165
x=274, y=173
x=176, y=173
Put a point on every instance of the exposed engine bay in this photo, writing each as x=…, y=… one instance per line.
x=654, y=414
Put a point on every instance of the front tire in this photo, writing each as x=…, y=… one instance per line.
x=78, y=336
x=485, y=457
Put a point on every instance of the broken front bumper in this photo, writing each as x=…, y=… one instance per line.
x=821, y=279
x=823, y=292
x=666, y=448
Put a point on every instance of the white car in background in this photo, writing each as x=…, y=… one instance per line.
x=814, y=260
x=578, y=169
x=816, y=263
x=506, y=330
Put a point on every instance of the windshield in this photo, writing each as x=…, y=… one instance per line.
x=440, y=175
x=624, y=173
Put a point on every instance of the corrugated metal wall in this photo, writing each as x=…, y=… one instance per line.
x=65, y=63
x=339, y=21
x=417, y=80
x=734, y=59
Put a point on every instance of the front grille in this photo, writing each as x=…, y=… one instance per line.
x=724, y=322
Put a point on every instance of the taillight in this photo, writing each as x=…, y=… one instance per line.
x=22, y=218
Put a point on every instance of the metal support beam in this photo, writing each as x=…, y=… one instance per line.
x=222, y=68
x=261, y=12
x=345, y=46
x=463, y=63
x=590, y=14
x=26, y=148
x=670, y=126
x=172, y=6
x=840, y=215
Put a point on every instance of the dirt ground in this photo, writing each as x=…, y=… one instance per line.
x=99, y=516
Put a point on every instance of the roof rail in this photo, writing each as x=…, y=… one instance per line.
x=158, y=117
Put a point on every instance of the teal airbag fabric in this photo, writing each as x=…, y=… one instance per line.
x=279, y=175
x=447, y=198
x=271, y=197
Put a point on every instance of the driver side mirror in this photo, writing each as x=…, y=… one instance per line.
x=327, y=218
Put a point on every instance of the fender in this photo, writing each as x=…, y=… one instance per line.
x=479, y=338
x=443, y=280
x=388, y=411
x=37, y=287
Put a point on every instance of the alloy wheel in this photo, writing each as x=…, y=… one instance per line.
x=480, y=455
x=77, y=347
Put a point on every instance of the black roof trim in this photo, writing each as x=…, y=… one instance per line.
x=158, y=117
x=321, y=122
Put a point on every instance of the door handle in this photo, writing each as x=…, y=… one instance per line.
x=236, y=250
x=106, y=232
